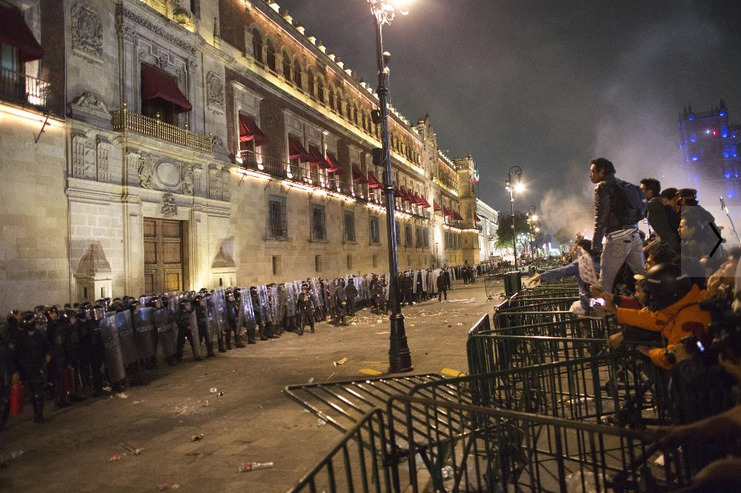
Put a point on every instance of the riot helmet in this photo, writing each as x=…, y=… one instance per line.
x=665, y=284
x=116, y=306
x=69, y=316
x=184, y=305
x=98, y=313
x=28, y=321
x=155, y=302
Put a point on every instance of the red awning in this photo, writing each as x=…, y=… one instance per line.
x=249, y=131
x=15, y=32
x=157, y=84
x=404, y=193
x=357, y=174
x=446, y=212
x=418, y=200
x=373, y=181
x=457, y=216
x=435, y=206
x=424, y=202
x=477, y=218
x=334, y=164
x=297, y=151
x=317, y=158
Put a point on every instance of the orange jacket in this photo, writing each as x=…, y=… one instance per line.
x=675, y=322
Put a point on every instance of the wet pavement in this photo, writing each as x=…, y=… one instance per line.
x=142, y=439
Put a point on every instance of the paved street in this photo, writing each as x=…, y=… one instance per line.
x=252, y=420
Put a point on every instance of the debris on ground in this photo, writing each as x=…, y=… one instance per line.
x=133, y=450
x=371, y=372
x=122, y=395
x=459, y=323
x=254, y=466
x=115, y=458
x=5, y=459
x=196, y=438
x=340, y=362
x=213, y=390
x=311, y=380
x=453, y=373
x=320, y=422
x=167, y=486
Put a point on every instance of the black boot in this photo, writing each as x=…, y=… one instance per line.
x=237, y=340
x=38, y=408
x=251, y=335
x=222, y=349
x=263, y=333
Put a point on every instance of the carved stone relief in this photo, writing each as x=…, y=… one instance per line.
x=187, y=179
x=83, y=157
x=226, y=192
x=89, y=102
x=104, y=149
x=214, y=184
x=146, y=171
x=167, y=175
x=215, y=93
x=87, y=33
x=132, y=167
x=169, y=208
x=198, y=181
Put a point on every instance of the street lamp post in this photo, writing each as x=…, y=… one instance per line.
x=400, y=359
x=517, y=171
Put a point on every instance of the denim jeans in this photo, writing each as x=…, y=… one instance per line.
x=623, y=246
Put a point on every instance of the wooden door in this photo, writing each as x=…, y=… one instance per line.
x=163, y=255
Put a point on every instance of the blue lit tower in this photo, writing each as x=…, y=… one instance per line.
x=710, y=149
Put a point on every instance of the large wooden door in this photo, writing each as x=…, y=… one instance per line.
x=164, y=262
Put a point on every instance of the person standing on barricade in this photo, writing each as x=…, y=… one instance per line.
x=34, y=353
x=617, y=210
x=305, y=306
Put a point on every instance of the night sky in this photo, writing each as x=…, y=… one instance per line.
x=547, y=85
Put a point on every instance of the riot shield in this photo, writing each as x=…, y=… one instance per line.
x=219, y=300
x=246, y=311
x=262, y=292
x=172, y=312
x=316, y=292
x=164, y=331
x=212, y=326
x=274, y=300
x=114, y=361
x=126, y=336
x=145, y=335
x=290, y=299
x=194, y=334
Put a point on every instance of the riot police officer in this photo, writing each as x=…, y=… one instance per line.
x=185, y=330
x=32, y=357
x=351, y=292
x=203, y=334
x=232, y=317
x=259, y=319
x=305, y=308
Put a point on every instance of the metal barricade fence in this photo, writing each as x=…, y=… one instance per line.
x=482, y=325
x=497, y=450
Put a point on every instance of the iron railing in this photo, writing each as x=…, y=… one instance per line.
x=128, y=121
x=23, y=89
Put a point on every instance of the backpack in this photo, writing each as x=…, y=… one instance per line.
x=634, y=203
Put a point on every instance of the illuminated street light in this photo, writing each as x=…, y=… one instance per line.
x=400, y=358
x=512, y=188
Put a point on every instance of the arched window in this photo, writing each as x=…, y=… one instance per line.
x=271, y=55
x=339, y=103
x=297, y=73
x=330, y=97
x=320, y=90
x=310, y=82
x=257, y=45
x=286, y=65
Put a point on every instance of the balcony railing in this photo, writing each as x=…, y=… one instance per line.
x=125, y=120
x=23, y=89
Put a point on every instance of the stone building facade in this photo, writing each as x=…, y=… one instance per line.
x=161, y=145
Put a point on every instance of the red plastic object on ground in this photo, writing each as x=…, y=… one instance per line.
x=16, y=399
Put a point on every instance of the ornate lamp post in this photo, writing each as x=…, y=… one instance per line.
x=512, y=188
x=400, y=359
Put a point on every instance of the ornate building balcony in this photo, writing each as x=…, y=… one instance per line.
x=128, y=121
x=24, y=90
